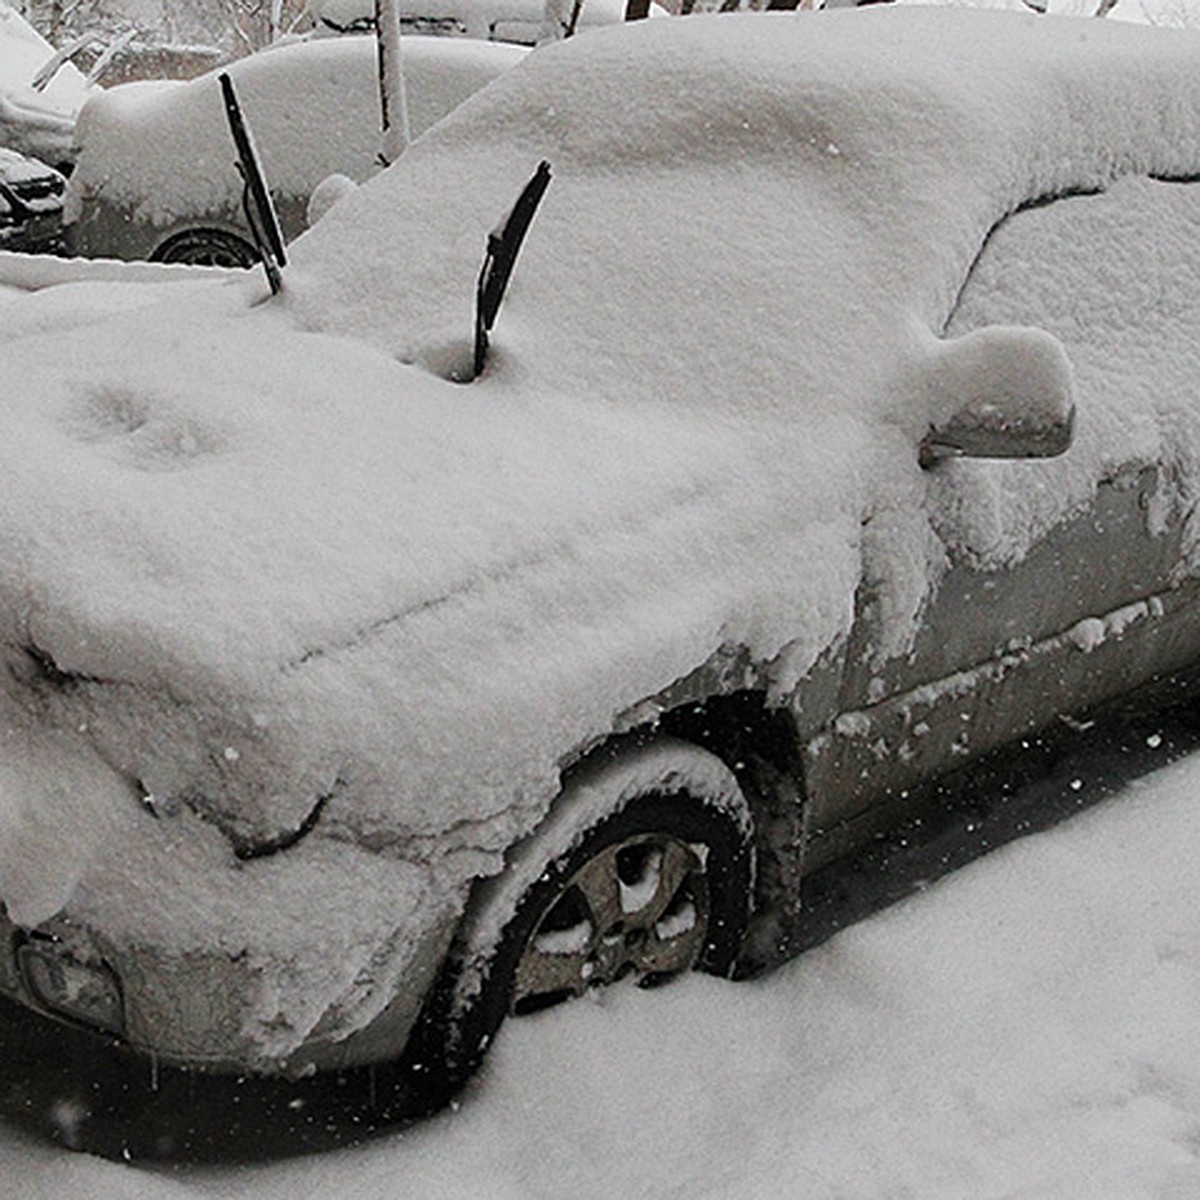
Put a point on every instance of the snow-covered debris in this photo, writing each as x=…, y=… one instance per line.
x=41, y=122
x=406, y=603
x=30, y=201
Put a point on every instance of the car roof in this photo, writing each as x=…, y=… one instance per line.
x=853, y=162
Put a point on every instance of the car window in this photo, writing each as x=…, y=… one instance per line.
x=1111, y=276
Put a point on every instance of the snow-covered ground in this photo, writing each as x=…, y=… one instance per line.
x=1026, y=1027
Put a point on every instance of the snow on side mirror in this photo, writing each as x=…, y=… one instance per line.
x=999, y=392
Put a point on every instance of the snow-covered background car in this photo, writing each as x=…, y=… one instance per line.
x=31, y=198
x=330, y=679
x=156, y=174
x=36, y=121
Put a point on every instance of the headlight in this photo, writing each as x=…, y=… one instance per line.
x=86, y=992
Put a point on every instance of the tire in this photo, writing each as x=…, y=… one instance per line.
x=206, y=248
x=661, y=886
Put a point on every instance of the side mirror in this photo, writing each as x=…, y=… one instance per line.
x=1005, y=392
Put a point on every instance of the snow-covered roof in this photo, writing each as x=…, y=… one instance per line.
x=263, y=569
x=832, y=137
x=769, y=217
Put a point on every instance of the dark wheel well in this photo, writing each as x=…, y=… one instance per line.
x=761, y=745
x=739, y=728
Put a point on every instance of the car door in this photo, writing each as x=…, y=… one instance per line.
x=1065, y=581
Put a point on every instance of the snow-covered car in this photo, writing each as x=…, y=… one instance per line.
x=352, y=689
x=36, y=120
x=156, y=173
x=31, y=198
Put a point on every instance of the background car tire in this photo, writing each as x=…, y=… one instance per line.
x=678, y=874
x=206, y=248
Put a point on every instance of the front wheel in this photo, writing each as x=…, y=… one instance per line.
x=637, y=907
x=657, y=885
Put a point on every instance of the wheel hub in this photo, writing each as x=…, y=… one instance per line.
x=637, y=908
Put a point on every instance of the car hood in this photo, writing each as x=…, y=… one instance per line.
x=268, y=573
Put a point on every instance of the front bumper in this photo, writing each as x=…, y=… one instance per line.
x=276, y=993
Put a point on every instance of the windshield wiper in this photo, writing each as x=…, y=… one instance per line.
x=503, y=245
x=256, y=199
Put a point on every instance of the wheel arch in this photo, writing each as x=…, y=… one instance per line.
x=757, y=758
x=762, y=745
x=599, y=786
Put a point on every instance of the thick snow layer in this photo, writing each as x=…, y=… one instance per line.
x=1024, y=1028
x=313, y=108
x=258, y=565
x=35, y=272
x=170, y=880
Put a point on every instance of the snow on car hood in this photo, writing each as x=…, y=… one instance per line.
x=268, y=565
x=261, y=570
